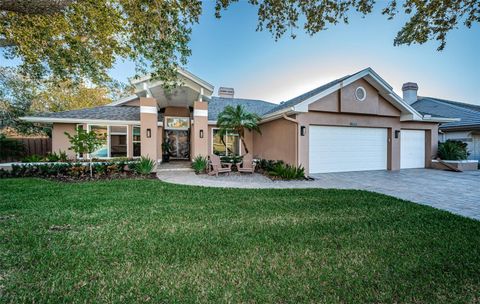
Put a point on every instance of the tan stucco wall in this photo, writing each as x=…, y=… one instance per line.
x=149, y=146
x=199, y=146
x=277, y=141
x=356, y=120
x=60, y=141
x=344, y=101
x=177, y=111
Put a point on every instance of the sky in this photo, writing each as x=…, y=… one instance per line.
x=230, y=52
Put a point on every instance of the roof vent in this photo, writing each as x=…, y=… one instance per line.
x=226, y=92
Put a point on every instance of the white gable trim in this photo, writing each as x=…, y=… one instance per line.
x=123, y=100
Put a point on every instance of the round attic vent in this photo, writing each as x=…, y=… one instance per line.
x=360, y=94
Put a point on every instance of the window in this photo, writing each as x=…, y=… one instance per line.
x=177, y=123
x=102, y=133
x=118, y=141
x=229, y=146
x=136, y=141
x=360, y=94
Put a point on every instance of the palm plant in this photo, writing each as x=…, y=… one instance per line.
x=237, y=120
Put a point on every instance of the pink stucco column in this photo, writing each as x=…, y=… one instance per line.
x=200, y=129
x=149, y=127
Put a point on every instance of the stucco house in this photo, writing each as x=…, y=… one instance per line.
x=467, y=129
x=353, y=123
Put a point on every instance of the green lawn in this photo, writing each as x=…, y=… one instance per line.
x=147, y=241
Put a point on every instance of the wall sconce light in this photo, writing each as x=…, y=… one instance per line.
x=302, y=130
x=149, y=133
x=397, y=132
x=201, y=133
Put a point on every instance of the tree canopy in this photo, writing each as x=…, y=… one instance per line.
x=73, y=39
x=237, y=120
x=20, y=96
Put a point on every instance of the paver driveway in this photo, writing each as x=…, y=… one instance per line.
x=455, y=192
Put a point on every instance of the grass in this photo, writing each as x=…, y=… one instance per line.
x=147, y=241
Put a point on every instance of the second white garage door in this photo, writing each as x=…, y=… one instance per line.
x=340, y=149
x=412, y=150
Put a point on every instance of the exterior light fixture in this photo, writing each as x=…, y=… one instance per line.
x=302, y=130
x=201, y=133
x=397, y=132
x=149, y=133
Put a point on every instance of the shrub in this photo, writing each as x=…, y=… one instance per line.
x=32, y=159
x=265, y=165
x=52, y=157
x=199, y=164
x=452, y=150
x=287, y=172
x=10, y=147
x=144, y=166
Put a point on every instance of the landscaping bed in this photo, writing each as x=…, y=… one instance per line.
x=69, y=171
x=147, y=241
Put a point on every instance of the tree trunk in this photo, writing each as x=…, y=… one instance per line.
x=91, y=173
x=244, y=145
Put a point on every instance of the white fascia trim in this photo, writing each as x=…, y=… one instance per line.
x=277, y=113
x=212, y=122
x=160, y=124
x=78, y=120
x=182, y=72
x=123, y=100
x=200, y=113
x=148, y=109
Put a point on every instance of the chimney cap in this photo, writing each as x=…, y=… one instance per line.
x=226, y=92
x=409, y=86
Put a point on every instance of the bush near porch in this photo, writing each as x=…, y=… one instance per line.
x=148, y=241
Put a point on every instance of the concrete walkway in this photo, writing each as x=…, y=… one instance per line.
x=455, y=192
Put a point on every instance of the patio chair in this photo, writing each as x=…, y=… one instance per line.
x=246, y=165
x=216, y=166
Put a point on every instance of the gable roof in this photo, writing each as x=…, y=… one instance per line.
x=300, y=103
x=469, y=114
x=217, y=104
x=294, y=101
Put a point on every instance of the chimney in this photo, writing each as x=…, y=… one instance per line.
x=226, y=92
x=410, y=92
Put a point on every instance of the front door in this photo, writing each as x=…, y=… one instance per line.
x=179, y=143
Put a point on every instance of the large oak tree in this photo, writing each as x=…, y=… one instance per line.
x=78, y=39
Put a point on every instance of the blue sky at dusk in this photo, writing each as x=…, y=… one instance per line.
x=229, y=52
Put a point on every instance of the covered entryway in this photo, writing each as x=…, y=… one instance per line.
x=340, y=149
x=412, y=150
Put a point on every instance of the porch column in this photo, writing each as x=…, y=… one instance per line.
x=200, y=129
x=148, y=127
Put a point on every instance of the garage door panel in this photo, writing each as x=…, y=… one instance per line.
x=340, y=149
x=412, y=150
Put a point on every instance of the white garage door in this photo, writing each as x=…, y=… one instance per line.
x=412, y=151
x=340, y=149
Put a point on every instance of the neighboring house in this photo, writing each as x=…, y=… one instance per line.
x=467, y=129
x=353, y=123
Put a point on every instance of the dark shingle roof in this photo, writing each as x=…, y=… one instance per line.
x=100, y=113
x=294, y=101
x=469, y=114
x=217, y=104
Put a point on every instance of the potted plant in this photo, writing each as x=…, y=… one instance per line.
x=165, y=151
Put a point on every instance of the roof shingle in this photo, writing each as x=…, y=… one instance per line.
x=469, y=114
